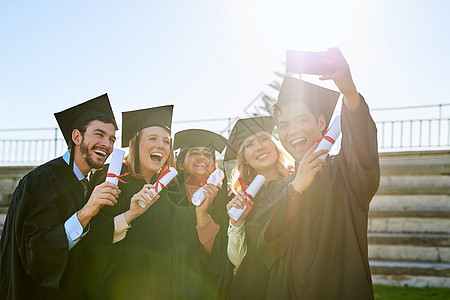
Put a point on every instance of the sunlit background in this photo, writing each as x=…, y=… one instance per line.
x=210, y=58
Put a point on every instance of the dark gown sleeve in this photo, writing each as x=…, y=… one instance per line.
x=41, y=239
x=359, y=152
x=218, y=264
x=187, y=254
x=100, y=254
x=195, y=274
x=276, y=233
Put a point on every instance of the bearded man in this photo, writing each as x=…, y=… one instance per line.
x=51, y=208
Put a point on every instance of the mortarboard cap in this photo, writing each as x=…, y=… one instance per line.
x=199, y=138
x=74, y=117
x=243, y=129
x=136, y=120
x=296, y=90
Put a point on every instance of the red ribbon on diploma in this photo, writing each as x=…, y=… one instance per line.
x=203, y=183
x=330, y=139
x=158, y=182
x=244, y=188
x=326, y=137
x=118, y=176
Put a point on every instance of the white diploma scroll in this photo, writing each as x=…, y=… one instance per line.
x=252, y=190
x=115, y=166
x=160, y=184
x=215, y=178
x=333, y=132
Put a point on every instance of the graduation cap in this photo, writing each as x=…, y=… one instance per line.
x=296, y=90
x=191, y=138
x=74, y=117
x=243, y=129
x=78, y=115
x=136, y=120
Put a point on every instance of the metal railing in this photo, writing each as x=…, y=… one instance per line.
x=410, y=130
x=411, y=134
x=32, y=146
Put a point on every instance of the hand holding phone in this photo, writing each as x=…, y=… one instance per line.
x=305, y=62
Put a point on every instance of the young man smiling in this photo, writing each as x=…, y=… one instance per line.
x=50, y=210
x=316, y=243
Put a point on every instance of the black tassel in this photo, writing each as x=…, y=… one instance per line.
x=72, y=155
x=136, y=155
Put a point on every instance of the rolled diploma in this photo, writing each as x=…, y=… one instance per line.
x=252, y=190
x=115, y=165
x=215, y=178
x=333, y=132
x=163, y=181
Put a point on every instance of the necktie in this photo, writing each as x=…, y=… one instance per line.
x=84, y=183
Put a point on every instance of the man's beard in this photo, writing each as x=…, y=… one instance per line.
x=88, y=156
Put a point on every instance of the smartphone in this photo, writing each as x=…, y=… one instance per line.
x=305, y=62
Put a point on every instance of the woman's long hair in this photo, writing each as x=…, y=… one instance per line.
x=130, y=161
x=284, y=164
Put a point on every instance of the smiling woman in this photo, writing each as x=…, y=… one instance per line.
x=199, y=233
x=257, y=153
x=137, y=253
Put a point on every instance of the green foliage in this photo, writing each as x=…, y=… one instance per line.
x=385, y=292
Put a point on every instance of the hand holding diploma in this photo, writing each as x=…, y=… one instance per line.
x=201, y=211
x=115, y=166
x=215, y=178
x=311, y=163
x=239, y=202
x=103, y=194
x=330, y=137
x=162, y=181
x=147, y=196
x=251, y=191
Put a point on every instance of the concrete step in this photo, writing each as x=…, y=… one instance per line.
x=442, y=214
x=414, y=184
x=3, y=212
x=409, y=225
x=418, y=163
x=7, y=186
x=409, y=247
x=409, y=253
x=408, y=267
x=410, y=273
x=416, y=202
x=416, y=239
x=9, y=178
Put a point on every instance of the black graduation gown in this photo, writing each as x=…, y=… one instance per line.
x=35, y=261
x=252, y=276
x=323, y=254
x=195, y=274
x=138, y=267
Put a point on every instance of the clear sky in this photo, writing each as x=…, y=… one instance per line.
x=210, y=57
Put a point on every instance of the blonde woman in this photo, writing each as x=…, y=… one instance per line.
x=257, y=152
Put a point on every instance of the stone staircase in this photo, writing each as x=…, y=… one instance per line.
x=9, y=178
x=409, y=220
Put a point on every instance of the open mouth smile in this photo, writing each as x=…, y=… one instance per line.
x=101, y=152
x=263, y=155
x=300, y=142
x=200, y=165
x=156, y=156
